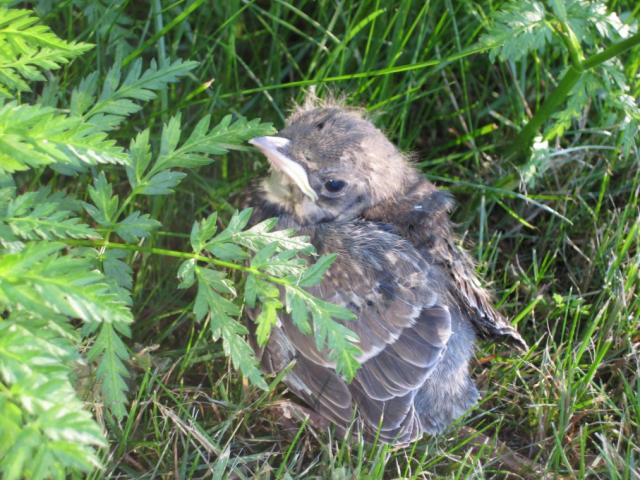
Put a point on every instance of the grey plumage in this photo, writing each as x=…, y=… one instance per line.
x=418, y=302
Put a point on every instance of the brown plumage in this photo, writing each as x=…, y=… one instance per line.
x=418, y=302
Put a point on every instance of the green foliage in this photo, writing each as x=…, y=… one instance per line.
x=522, y=28
x=275, y=265
x=117, y=98
x=45, y=430
x=66, y=287
x=109, y=19
x=519, y=29
x=41, y=280
x=158, y=178
x=111, y=353
x=33, y=136
x=525, y=28
x=27, y=48
x=41, y=215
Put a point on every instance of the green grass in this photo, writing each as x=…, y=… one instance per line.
x=561, y=255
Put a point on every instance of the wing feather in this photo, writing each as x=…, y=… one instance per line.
x=402, y=323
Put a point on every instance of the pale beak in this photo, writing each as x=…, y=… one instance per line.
x=270, y=147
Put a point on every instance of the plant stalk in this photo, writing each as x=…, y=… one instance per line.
x=176, y=254
x=568, y=81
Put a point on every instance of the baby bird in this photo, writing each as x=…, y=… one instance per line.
x=419, y=305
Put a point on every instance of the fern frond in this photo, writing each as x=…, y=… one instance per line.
x=203, y=142
x=109, y=19
x=40, y=215
x=118, y=97
x=518, y=29
x=213, y=287
x=276, y=256
x=195, y=151
x=45, y=427
x=38, y=279
x=111, y=353
x=33, y=136
x=27, y=48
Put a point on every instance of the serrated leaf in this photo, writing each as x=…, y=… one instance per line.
x=202, y=232
x=118, y=99
x=197, y=149
x=345, y=357
x=227, y=251
x=111, y=353
x=118, y=270
x=238, y=221
x=27, y=48
x=33, y=136
x=261, y=258
x=41, y=215
x=285, y=265
x=170, y=136
x=38, y=279
x=105, y=203
x=162, y=183
x=517, y=30
x=263, y=234
x=186, y=273
x=267, y=319
x=113, y=25
x=139, y=158
x=590, y=20
x=217, y=280
x=329, y=335
x=297, y=307
x=136, y=226
x=211, y=284
x=313, y=275
x=44, y=413
x=337, y=338
x=243, y=357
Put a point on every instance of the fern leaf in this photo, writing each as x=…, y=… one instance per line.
x=329, y=334
x=39, y=215
x=34, y=136
x=518, y=29
x=44, y=424
x=590, y=20
x=111, y=352
x=203, y=142
x=256, y=237
x=136, y=226
x=27, y=48
x=277, y=254
x=110, y=20
x=210, y=299
x=118, y=97
x=38, y=279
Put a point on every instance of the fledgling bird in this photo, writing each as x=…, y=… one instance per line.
x=419, y=305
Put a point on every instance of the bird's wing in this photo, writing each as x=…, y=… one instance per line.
x=422, y=217
x=477, y=301
x=402, y=322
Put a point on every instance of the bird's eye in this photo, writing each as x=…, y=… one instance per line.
x=334, y=186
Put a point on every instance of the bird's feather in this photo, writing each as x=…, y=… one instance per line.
x=421, y=216
x=399, y=268
x=402, y=322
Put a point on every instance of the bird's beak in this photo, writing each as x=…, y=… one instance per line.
x=271, y=148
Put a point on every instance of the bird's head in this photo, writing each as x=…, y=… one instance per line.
x=329, y=163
